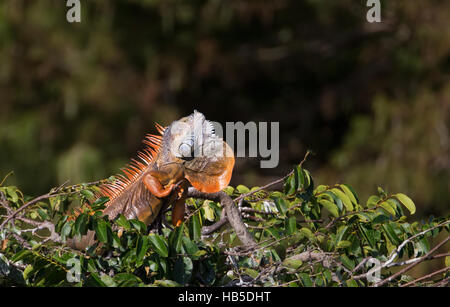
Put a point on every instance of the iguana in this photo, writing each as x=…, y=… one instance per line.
x=188, y=152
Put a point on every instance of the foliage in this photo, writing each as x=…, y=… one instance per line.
x=306, y=235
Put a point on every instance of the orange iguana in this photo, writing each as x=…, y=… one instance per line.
x=188, y=152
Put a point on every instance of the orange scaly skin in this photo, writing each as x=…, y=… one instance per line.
x=162, y=176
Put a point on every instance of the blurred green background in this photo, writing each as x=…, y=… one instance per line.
x=371, y=100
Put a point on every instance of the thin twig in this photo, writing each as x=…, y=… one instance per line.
x=443, y=270
x=409, y=261
x=409, y=267
x=53, y=193
x=396, y=251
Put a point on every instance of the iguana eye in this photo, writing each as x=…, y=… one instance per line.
x=185, y=148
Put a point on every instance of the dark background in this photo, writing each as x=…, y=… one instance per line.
x=371, y=100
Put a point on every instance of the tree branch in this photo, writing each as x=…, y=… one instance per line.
x=52, y=193
x=233, y=215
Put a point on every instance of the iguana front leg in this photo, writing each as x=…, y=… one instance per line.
x=155, y=187
x=162, y=181
x=168, y=179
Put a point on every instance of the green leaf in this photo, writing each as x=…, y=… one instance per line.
x=100, y=203
x=372, y=201
x=290, y=184
x=292, y=225
x=331, y=207
x=43, y=214
x=159, y=245
x=199, y=254
x=138, y=225
x=391, y=234
x=308, y=179
x=307, y=233
x=229, y=190
x=127, y=280
x=281, y=205
x=195, y=227
x=364, y=217
x=21, y=255
x=87, y=193
x=95, y=280
x=335, y=199
x=183, y=270
x=251, y=272
x=273, y=232
x=422, y=246
x=66, y=230
x=190, y=246
x=351, y=283
x=349, y=192
x=81, y=224
x=108, y=281
x=348, y=263
x=166, y=283
x=306, y=281
x=327, y=275
x=340, y=234
x=380, y=219
x=12, y=192
x=299, y=178
x=275, y=255
x=347, y=203
x=292, y=263
x=447, y=261
x=141, y=248
x=344, y=244
x=369, y=234
x=242, y=189
x=101, y=229
x=123, y=222
x=320, y=188
x=176, y=238
x=33, y=215
x=395, y=204
x=209, y=212
x=386, y=206
x=407, y=202
x=27, y=272
x=115, y=239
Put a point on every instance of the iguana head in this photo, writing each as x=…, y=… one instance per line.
x=207, y=160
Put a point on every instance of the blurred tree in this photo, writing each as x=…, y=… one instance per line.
x=77, y=98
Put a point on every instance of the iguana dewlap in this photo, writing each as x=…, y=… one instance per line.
x=188, y=152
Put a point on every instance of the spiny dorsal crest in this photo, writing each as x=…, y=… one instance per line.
x=135, y=168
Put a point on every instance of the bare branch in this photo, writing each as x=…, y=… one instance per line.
x=409, y=267
x=52, y=193
x=396, y=252
x=443, y=270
